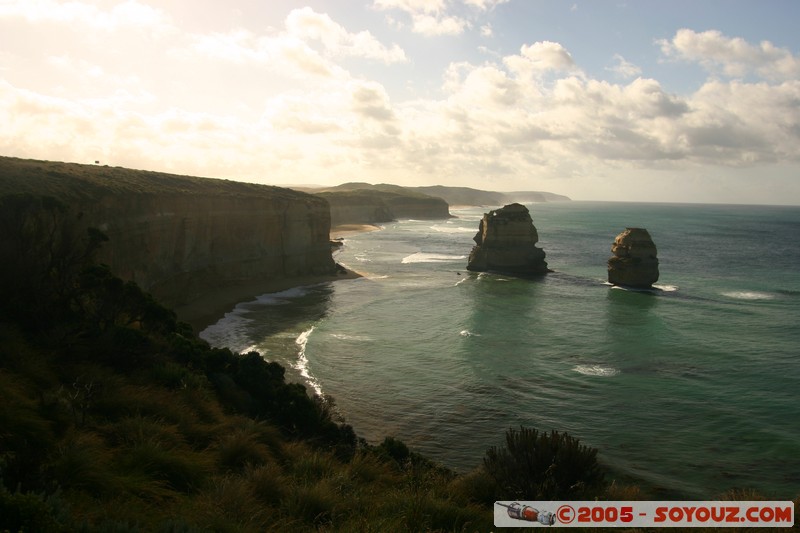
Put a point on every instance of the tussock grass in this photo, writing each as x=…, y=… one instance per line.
x=241, y=449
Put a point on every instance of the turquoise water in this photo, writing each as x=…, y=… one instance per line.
x=692, y=389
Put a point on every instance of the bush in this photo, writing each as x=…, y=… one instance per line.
x=535, y=466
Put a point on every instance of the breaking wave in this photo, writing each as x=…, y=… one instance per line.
x=596, y=370
x=749, y=295
x=302, y=361
x=424, y=257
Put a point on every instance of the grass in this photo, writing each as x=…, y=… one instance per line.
x=74, y=181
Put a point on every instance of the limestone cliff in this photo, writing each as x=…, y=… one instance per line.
x=364, y=203
x=179, y=236
x=634, y=262
x=506, y=242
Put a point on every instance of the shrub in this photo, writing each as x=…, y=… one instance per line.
x=537, y=466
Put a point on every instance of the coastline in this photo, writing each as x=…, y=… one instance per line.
x=213, y=305
x=343, y=230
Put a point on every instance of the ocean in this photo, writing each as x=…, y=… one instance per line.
x=692, y=389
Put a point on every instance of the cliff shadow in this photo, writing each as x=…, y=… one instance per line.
x=272, y=321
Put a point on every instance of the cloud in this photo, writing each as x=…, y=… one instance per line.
x=431, y=26
x=292, y=52
x=308, y=25
x=128, y=14
x=539, y=58
x=371, y=100
x=733, y=57
x=624, y=68
x=281, y=106
x=485, y=5
x=412, y=6
x=439, y=17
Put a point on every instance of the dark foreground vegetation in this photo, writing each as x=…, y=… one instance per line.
x=115, y=417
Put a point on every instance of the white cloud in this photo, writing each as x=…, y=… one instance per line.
x=733, y=57
x=292, y=52
x=430, y=25
x=485, y=5
x=439, y=17
x=486, y=30
x=128, y=14
x=305, y=117
x=309, y=25
x=539, y=58
x=624, y=68
x=412, y=6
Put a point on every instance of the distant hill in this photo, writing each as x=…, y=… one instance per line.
x=468, y=196
x=367, y=203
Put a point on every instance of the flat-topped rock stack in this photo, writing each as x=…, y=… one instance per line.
x=506, y=242
x=634, y=262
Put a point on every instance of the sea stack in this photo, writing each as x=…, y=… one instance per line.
x=634, y=262
x=506, y=242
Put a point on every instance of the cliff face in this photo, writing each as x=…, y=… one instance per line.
x=634, y=262
x=506, y=242
x=178, y=236
x=376, y=203
x=177, y=247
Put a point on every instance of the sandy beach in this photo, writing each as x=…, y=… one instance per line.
x=343, y=230
x=213, y=305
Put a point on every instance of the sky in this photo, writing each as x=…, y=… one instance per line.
x=624, y=100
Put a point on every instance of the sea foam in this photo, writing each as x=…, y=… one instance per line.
x=596, y=370
x=749, y=295
x=452, y=229
x=302, y=361
x=424, y=257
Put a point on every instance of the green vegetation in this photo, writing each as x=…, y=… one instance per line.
x=79, y=182
x=537, y=466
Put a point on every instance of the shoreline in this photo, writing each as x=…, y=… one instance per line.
x=211, y=306
x=344, y=230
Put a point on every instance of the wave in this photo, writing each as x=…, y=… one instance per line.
x=454, y=229
x=302, y=361
x=356, y=338
x=282, y=297
x=596, y=370
x=424, y=257
x=666, y=288
x=468, y=333
x=749, y=295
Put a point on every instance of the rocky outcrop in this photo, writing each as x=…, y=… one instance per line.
x=634, y=262
x=179, y=236
x=506, y=242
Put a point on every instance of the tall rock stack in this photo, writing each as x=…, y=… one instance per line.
x=506, y=242
x=634, y=262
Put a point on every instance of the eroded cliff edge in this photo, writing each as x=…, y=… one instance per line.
x=180, y=237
